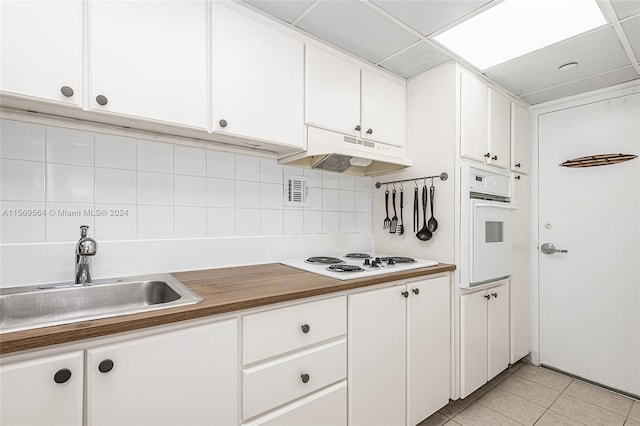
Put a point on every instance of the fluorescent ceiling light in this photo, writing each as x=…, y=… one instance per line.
x=516, y=27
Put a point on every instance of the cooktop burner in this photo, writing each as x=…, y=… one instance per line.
x=345, y=268
x=358, y=256
x=398, y=259
x=323, y=260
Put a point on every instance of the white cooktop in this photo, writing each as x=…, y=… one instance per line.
x=383, y=268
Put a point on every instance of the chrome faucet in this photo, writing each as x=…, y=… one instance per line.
x=85, y=248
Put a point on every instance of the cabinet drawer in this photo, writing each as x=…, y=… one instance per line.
x=327, y=407
x=278, y=382
x=275, y=332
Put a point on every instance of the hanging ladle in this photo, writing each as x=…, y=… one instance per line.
x=432, y=225
x=424, y=234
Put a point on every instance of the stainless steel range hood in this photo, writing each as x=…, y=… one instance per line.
x=336, y=152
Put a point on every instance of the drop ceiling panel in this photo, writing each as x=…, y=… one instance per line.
x=588, y=84
x=418, y=58
x=631, y=29
x=287, y=10
x=356, y=28
x=595, y=52
x=625, y=8
x=427, y=17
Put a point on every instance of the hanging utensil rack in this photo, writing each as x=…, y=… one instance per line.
x=443, y=176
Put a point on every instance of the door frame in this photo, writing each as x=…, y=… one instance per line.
x=535, y=112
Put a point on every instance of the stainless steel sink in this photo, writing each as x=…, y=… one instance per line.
x=23, y=308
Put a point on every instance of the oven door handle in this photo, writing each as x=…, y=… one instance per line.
x=497, y=206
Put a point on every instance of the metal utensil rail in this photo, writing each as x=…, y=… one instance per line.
x=443, y=176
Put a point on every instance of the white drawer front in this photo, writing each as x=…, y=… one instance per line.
x=325, y=408
x=278, y=382
x=275, y=332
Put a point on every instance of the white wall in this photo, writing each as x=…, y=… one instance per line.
x=155, y=206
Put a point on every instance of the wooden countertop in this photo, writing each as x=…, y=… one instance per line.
x=223, y=290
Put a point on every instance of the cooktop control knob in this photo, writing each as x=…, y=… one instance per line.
x=366, y=262
x=378, y=260
x=391, y=262
x=374, y=264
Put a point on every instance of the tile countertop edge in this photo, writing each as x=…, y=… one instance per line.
x=224, y=290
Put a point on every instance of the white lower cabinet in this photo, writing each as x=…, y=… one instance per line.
x=484, y=336
x=46, y=390
x=399, y=352
x=185, y=377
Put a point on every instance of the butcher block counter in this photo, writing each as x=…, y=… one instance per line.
x=224, y=290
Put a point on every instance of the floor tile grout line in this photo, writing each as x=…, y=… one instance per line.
x=596, y=405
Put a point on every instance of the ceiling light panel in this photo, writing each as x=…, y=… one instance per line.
x=418, y=58
x=287, y=10
x=516, y=27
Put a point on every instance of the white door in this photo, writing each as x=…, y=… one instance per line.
x=590, y=296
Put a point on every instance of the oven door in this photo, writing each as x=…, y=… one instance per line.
x=491, y=244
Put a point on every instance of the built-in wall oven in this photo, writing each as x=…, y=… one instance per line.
x=486, y=226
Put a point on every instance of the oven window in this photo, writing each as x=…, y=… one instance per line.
x=493, y=232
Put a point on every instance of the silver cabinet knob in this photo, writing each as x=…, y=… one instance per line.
x=370, y=131
x=358, y=127
x=548, y=248
x=101, y=100
x=66, y=91
x=223, y=123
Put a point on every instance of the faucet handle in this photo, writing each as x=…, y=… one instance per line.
x=83, y=230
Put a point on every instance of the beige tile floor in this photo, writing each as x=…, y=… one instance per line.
x=528, y=395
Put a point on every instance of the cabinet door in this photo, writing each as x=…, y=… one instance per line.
x=257, y=79
x=42, y=49
x=473, y=342
x=332, y=92
x=149, y=59
x=377, y=357
x=429, y=348
x=474, y=118
x=383, y=109
x=185, y=377
x=499, y=129
x=42, y=391
x=519, y=286
x=498, y=326
x=520, y=136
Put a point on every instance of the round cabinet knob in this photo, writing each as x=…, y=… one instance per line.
x=405, y=293
x=487, y=155
x=495, y=295
x=62, y=376
x=518, y=165
x=66, y=91
x=517, y=177
x=486, y=296
x=305, y=328
x=101, y=100
x=105, y=366
x=222, y=123
x=416, y=291
x=369, y=131
x=305, y=378
x=494, y=158
x=358, y=127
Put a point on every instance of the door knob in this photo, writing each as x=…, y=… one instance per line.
x=548, y=248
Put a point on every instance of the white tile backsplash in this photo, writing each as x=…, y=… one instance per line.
x=221, y=192
x=247, y=222
x=191, y=222
x=70, y=146
x=315, y=198
x=331, y=200
x=155, y=222
x=22, y=141
x=64, y=221
x=221, y=165
x=247, y=194
x=293, y=221
x=347, y=201
x=330, y=180
x=155, y=188
x=347, y=182
x=117, y=152
x=270, y=171
x=22, y=180
x=363, y=202
x=22, y=221
x=190, y=191
x=221, y=222
x=271, y=222
x=247, y=168
x=70, y=184
x=347, y=222
x=154, y=156
x=116, y=222
x=330, y=222
x=362, y=223
x=189, y=161
x=115, y=186
x=271, y=196
x=315, y=177
x=363, y=183
x=312, y=222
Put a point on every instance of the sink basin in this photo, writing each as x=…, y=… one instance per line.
x=23, y=308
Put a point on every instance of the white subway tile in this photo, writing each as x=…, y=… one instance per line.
x=293, y=222
x=347, y=182
x=347, y=222
x=154, y=156
x=155, y=188
x=247, y=222
x=64, y=221
x=270, y=171
x=271, y=196
x=190, y=222
x=330, y=180
x=363, y=202
x=22, y=222
x=119, y=223
x=221, y=222
x=363, y=223
x=330, y=222
x=315, y=198
x=155, y=222
x=331, y=200
x=221, y=192
x=116, y=152
x=290, y=170
x=271, y=222
x=315, y=177
x=363, y=183
x=70, y=146
x=189, y=161
x=347, y=201
x=312, y=222
x=70, y=184
x=247, y=168
x=190, y=191
x=22, y=180
x=22, y=141
x=221, y=165
x=115, y=186
x=247, y=195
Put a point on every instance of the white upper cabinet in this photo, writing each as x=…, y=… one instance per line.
x=499, y=129
x=149, y=60
x=332, y=92
x=520, y=129
x=383, y=109
x=42, y=50
x=258, y=71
